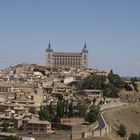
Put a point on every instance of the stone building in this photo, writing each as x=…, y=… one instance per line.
x=30, y=124
x=93, y=93
x=5, y=88
x=66, y=59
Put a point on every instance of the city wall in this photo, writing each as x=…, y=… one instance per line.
x=72, y=135
x=74, y=132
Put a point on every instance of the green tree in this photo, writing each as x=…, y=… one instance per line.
x=59, y=96
x=134, y=137
x=60, y=109
x=94, y=82
x=66, y=104
x=32, y=110
x=111, y=71
x=71, y=109
x=93, y=114
x=6, y=126
x=51, y=108
x=122, y=130
x=82, y=108
x=114, y=85
x=45, y=114
x=116, y=80
x=110, y=90
x=94, y=100
x=13, y=138
x=110, y=85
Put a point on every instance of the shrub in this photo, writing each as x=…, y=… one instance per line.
x=122, y=130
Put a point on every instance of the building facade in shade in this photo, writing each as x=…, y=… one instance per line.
x=66, y=59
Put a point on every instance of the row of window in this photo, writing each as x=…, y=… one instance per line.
x=4, y=89
x=67, y=57
x=66, y=63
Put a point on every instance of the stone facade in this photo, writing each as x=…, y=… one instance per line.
x=66, y=59
x=5, y=88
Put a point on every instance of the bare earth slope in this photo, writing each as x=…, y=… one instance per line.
x=129, y=116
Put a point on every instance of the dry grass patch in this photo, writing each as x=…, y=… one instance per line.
x=129, y=116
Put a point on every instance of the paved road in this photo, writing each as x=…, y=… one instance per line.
x=101, y=123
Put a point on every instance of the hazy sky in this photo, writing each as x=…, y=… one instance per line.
x=111, y=29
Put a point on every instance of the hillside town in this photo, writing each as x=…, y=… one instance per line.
x=69, y=70
x=62, y=100
x=65, y=99
x=26, y=90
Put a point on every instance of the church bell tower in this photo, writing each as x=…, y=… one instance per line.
x=49, y=56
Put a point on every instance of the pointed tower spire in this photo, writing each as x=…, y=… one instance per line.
x=84, y=50
x=49, y=46
x=49, y=49
x=85, y=46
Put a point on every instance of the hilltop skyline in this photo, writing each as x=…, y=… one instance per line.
x=109, y=28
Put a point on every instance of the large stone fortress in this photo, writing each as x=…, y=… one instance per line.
x=66, y=59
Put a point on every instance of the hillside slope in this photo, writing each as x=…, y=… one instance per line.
x=129, y=116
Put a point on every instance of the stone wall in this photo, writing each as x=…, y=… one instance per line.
x=75, y=133
x=48, y=136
